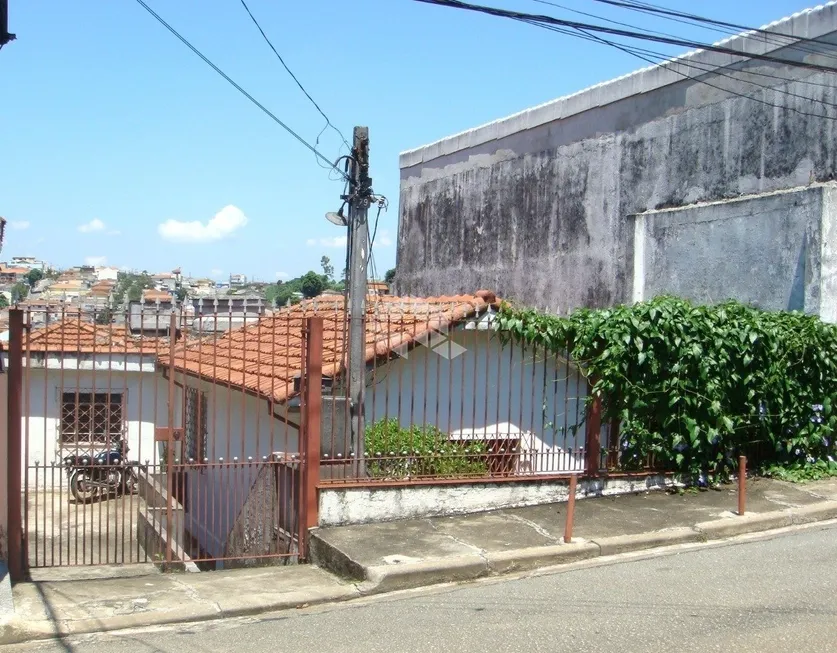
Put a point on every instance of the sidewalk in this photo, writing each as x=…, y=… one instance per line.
x=378, y=558
x=406, y=554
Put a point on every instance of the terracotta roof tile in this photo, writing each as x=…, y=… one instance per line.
x=77, y=336
x=266, y=357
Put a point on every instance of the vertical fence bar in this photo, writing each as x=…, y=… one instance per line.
x=742, y=484
x=313, y=406
x=592, y=444
x=170, y=443
x=15, y=379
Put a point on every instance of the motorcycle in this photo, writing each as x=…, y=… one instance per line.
x=103, y=474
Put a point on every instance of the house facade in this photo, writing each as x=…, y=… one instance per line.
x=86, y=388
x=433, y=362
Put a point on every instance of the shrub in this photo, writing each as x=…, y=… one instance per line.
x=699, y=385
x=396, y=452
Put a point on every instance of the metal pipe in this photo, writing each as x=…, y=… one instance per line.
x=742, y=484
x=17, y=565
x=568, y=525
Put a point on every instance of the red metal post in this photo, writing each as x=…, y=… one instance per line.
x=742, y=484
x=170, y=443
x=593, y=444
x=312, y=402
x=568, y=525
x=17, y=562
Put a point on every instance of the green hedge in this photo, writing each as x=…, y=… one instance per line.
x=396, y=452
x=699, y=385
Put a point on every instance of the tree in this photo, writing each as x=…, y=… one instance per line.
x=313, y=284
x=4, y=303
x=328, y=268
x=389, y=277
x=19, y=291
x=181, y=294
x=34, y=276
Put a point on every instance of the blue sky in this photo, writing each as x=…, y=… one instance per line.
x=120, y=145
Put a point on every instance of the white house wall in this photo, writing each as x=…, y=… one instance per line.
x=145, y=408
x=471, y=386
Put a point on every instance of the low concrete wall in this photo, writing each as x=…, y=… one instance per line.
x=364, y=505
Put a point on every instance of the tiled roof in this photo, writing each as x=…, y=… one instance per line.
x=152, y=295
x=77, y=336
x=264, y=358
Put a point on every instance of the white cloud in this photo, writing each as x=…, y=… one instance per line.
x=283, y=275
x=95, y=260
x=89, y=227
x=222, y=224
x=19, y=224
x=337, y=241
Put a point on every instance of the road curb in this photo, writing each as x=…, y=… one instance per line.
x=410, y=575
x=625, y=543
x=816, y=512
x=504, y=562
x=18, y=631
x=718, y=529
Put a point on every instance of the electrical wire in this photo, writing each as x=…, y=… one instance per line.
x=238, y=87
x=550, y=20
x=298, y=83
x=733, y=29
x=584, y=34
x=547, y=22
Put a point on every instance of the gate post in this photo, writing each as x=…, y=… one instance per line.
x=14, y=457
x=592, y=443
x=312, y=400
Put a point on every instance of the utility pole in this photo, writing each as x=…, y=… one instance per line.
x=358, y=244
x=5, y=37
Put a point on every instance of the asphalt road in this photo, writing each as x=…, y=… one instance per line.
x=770, y=595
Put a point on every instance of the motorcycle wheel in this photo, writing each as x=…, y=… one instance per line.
x=81, y=486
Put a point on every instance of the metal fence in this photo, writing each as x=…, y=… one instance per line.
x=146, y=438
x=126, y=457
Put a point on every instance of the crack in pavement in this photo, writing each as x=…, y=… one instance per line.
x=540, y=530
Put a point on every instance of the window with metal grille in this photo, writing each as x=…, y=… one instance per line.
x=91, y=417
x=195, y=431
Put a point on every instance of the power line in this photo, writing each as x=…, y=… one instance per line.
x=294, y=77
x=232, y=82
x=550, y=20
x=636, y=52
x=718, y=25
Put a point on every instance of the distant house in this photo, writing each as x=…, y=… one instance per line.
x=28, y=262
x=429, y=361
x=154, y=296
x=86, y=387
x=237, y=280
x=70, y=289
x=12, y=274
x=107, y=273
x=377, y=288
x=164, y=281
x=153, y=319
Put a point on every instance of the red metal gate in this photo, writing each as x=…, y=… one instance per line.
x=182, y=455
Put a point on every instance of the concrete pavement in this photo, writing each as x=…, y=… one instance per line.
x=414, y=553
x=770, y=595
x=380, y=558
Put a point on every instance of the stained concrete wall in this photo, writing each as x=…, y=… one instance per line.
x=539, y=206
x=768, y=249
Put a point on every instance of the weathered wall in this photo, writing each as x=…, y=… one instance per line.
x=767, y=249
x=364, y=505
x=539, y=206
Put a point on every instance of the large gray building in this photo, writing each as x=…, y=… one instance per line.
x=708, y=176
